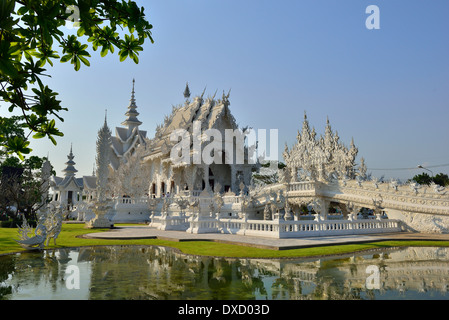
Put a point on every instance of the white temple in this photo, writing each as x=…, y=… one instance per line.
x=321, y=191
x=223, y=175
x=67, y=190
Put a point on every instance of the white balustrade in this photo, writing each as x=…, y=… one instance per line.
x=131, y=201
x=301, y=186
x=231, y=199
x=295, y=229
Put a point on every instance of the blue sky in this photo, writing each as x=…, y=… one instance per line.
x=386, y=88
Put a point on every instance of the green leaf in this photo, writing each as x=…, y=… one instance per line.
x=123, y=55
x=84, y=60
x=66, y=58
x=39, y=135
x=7, y=68
x=52, y=140
x=104, y=51
x=135, y=58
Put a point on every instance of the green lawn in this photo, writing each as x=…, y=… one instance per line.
x=68, y=238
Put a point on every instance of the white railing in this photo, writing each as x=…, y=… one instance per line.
x=178, y=223
x=131, y=201
x=293, y=229
x=301, y=186
x=231, y=199
x=289, y=229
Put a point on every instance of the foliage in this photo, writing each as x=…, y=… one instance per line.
x=440, y=179
x=21, y=188
x=11, y=135
x=32, y=35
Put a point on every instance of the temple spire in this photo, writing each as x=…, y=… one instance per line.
x=70, y=169
x=131, y=121
x=133, y=99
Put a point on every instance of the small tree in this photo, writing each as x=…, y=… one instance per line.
x=422, y=178
x=21, y=187
x=440, y=179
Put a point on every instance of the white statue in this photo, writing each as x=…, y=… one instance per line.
x=437, y=188
x=267, y=212
x=394, y=185
x=182, y=204
x=35, y=242
x=54, y=223
x=415, y=186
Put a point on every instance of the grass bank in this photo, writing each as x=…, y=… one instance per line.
x=69, y=237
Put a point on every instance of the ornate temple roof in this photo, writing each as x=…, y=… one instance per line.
x=210, y=112
x=320, y=157
x=69, y=175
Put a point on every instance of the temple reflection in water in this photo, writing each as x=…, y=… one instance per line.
x=139, y=272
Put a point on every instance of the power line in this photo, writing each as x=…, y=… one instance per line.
x=398, y=169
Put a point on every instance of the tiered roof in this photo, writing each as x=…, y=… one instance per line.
x=210, y=112
x=69, y=174
x=127, y=138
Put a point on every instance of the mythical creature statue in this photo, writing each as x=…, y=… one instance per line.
x=267, y=212
x=182, y=204
x=53, y=223
x=194, y=207
x=48, y=227
x=377, y=203
x=36, y=241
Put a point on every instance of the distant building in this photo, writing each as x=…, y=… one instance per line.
x=67, y=190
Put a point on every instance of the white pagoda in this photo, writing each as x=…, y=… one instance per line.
x=127, y=138
x=67, y=190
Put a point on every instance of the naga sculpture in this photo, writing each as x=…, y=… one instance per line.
x=34, y=242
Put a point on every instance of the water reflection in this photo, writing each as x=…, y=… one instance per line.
x=133, y=272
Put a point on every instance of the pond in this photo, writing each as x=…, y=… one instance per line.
x=158, y=273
